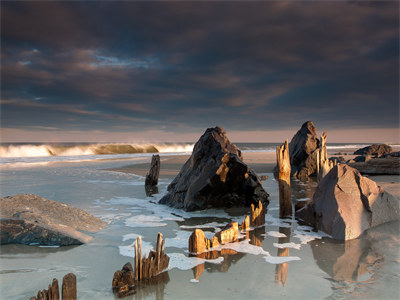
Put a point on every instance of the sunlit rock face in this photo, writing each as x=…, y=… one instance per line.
x=214, y=176
x=346, y=203
x=303, y=150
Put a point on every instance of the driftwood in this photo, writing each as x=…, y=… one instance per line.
x=123, y=281
x=324, y=165
x=283, y=164
x=152, y=176
x=69, y=291
x=257, y=215
x=154, y=264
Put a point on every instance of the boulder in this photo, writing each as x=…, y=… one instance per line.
x=375, y=149
x=123, y=283
x=346, y=203
x=214, y=176
x=30, y=219
x=362, y=158
x=303, y=151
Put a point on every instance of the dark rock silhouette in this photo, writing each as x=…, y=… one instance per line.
x=377, y=150
x=214, y=176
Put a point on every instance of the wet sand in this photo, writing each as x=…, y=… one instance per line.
x=261, y=162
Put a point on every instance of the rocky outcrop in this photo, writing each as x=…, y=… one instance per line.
x=377, y=150
x=30, y=219
x=214, y=176
x=346, y=203
x=303, y=151
x=377, y=166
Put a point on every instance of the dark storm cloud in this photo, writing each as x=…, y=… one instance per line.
x=129, y=66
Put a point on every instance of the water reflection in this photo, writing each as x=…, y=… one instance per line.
x=281, y=270
x=357, y=262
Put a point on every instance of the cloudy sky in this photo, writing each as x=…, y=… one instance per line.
x=137, y=71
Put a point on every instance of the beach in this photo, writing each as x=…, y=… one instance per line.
x=113, y=189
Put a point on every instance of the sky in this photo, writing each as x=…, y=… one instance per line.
x=128, y=71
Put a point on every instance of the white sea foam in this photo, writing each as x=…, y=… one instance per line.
x=244, y=247
x=130, y=236
x=194, y=280
x=276, y=234
x=287, y=245
x=183, y=262
x=306, y=237
x=303, y=199
x=280, y=259
x=145, y=221
x=129, y=250
x=110, y=218
x=179, y=241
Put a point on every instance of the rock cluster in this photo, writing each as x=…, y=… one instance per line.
x=30, y=219
x=303, y=151
x=214, y=176
x=69, y=291
x=346, y=203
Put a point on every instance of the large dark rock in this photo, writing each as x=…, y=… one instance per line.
x=214, y=176
x=30, y=219
x=303, y=151
x=375, y=149
x=346, y=203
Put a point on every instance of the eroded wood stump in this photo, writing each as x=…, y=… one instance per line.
x=283, y=164
x=257, y=215
x=69, y=287
x=228, y=234
x=152, y=176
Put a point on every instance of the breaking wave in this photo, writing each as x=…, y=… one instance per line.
x=31, y=150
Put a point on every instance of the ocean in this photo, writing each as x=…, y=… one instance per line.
x=283, y=259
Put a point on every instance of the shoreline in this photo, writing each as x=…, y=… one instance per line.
x=261, y=162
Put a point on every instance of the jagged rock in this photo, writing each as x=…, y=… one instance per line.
x=229, y=233
x=346, y=203
x=393, y=154
x=69, y=287
x=214, y=176
x=30, y=219
x=377, y=166
x=303, y=151
x=152, y=176
x=375, y=149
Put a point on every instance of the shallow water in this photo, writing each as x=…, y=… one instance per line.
x=283, y=259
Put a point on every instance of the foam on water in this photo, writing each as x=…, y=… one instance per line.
x=129, y=250
x=130, y=236
x=145, y=221
x=110, y=218
x=179, y=241
x=287, y=245
x=276, y=234
x=280, y=259
x=183, y=262
x=306, y=237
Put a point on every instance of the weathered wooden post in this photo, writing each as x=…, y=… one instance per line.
x=324, y=165
x=283, y=163
x=152, y=176
x=69, y=287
